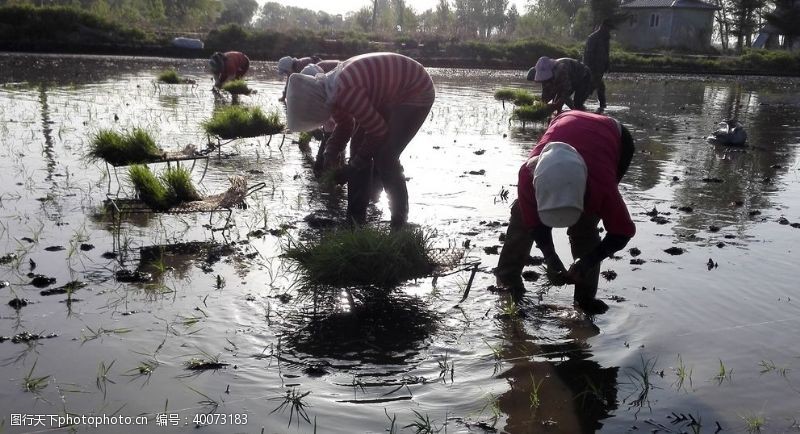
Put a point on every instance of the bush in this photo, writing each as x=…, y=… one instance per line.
x=365, y=256
x=64, y=25
x=236, y=122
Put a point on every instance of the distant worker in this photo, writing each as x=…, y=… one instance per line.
x=570, y=180
x=595, y=56
x=560, y=79
x=232, y=65
x=290, y=65
x=379, y=100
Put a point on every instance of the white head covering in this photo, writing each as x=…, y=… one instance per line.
x=285, y=65
x=560, y=183
x=544, y=69
x=312, y=69
x=306, y=102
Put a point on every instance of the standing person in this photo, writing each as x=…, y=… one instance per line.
x=379, y=100
x=570, y=180
x=232, y=65
x=560, y=79
x=595, y=56
x=288, y=65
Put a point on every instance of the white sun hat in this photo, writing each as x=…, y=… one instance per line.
x=306, y=102
x=560, y=184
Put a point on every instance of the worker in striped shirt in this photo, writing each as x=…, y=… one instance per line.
x=378, y=101
x=564, y=81
x=288, y=65
x=232, y=65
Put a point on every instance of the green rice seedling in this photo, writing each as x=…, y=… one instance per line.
x=205, y=363
x=446, y=366
x=144, y=370
x=149, y=188
x=135, y=146
x=723, y=374
x=363, y=256
x=237, y=87
x=535, y=398
x=639, y=379
x=770, y=366
x=754, y=423
x=102, y=377
x=305, y=138
x=505, y=94
x=423, y=424
x=294, y=401
x=683, y=374
x=33, y=384
x=99, y=332
x=392, y=422
x=236, y=122
x=523, y=97
x=535, y=112
x=179, y=182
x=169, y=76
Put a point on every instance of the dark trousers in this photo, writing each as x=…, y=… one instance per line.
x=583, y=238
x=582, y=89
x=600, y=86
x=403, y=121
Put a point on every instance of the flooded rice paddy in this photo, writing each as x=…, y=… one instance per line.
x=701, y=341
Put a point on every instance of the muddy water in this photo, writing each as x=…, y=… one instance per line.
x=674, y=323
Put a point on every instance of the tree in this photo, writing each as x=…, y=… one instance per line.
x=443, y=18
x=745, y=15
x=511, y=20
x=786, y=19
x=237, y=11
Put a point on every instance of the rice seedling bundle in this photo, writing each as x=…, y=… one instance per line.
x=237, y=87
x=535, y=112
x=149, y=188
x=364, y=256
x=135, y=146
x=236, y=122
x=169, y=76
x=179, y=182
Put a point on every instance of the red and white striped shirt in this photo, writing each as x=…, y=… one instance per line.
x=368, y=86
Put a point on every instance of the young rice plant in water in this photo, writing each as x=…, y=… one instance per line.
x=169, y=76
x=149, y=188
x=237, y=87
x=366, y=256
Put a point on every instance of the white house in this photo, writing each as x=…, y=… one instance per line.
x=654, y=24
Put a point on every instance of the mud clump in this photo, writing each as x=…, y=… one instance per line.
x=492, y=250
x=29, y=337
x=55, y=248
x=128, y=276
x=85, y=247
x=674, y=251
x=18, y=303
x=68, y=288
x=8, y=258
x=634, y=251
x=686, y=209
x=530, y=276
x=609, y=275
x=40, y=280
x=637, y=261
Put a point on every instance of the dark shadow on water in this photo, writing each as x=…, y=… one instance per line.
x=179, y=258
x=553, y=387
x=379, y=329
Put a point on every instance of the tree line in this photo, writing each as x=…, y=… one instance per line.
x=736, y=22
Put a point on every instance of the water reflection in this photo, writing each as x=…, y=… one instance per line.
x=554, y=387
x=379, y=329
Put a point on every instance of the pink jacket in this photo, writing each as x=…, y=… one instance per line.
x=597, y=140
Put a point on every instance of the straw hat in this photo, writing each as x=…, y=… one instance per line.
x=560, y=183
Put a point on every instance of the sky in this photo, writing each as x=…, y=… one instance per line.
x=344, y=6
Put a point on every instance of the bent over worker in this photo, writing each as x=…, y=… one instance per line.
x=378, y=102
x=564, y=81
x=288, y=65
x=232, y=65
x=570, y=180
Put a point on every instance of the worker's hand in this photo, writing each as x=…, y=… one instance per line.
x=577, y=271
x=556, y=272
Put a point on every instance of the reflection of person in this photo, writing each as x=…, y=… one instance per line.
x=290, y=65
x=573, y=391
x=570, y=181
x=378, y=101
x=232, y=65
x=564, y=81
x=595, y=56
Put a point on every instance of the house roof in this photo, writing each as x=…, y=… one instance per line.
x=676, y=4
